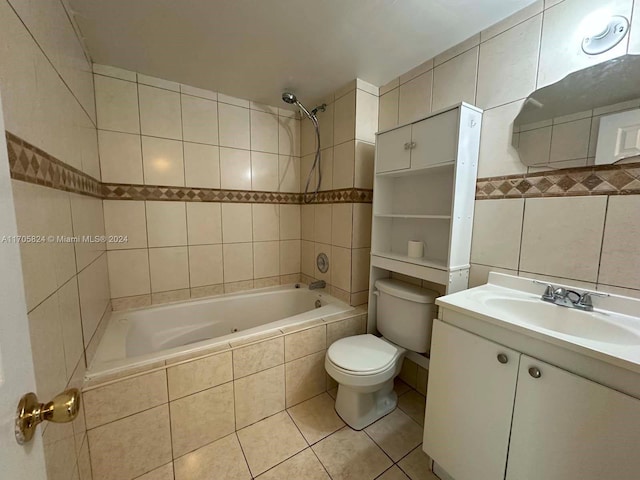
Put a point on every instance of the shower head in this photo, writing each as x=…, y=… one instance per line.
x=289, y=97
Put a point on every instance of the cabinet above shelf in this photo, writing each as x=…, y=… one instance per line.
x=403, y=215
x=425, y=262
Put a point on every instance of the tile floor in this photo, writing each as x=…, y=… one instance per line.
x=309, y=441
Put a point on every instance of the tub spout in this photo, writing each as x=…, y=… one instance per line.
x=317, y=284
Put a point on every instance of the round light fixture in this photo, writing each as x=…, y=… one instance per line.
x=608, y=36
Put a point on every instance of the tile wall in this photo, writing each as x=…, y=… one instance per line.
x=581, y=237
x=342, y=230
x=48, y=98
x=185, y=408
x=155, y=132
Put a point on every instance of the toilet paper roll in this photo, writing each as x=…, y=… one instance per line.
x=415, y=249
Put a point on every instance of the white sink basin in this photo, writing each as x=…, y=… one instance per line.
x=591, y=325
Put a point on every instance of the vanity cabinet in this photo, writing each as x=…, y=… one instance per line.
x=491, y=417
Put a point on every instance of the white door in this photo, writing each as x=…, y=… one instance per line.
x=472, y=384
x=567, y=427
x=393, y=150
x=16, y=365
x=434, y=140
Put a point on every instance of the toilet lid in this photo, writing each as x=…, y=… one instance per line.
x=361, y=353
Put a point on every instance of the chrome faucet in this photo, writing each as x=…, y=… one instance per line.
x=317, y=284
x=563, y=297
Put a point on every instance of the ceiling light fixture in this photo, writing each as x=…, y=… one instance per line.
x=603, y=33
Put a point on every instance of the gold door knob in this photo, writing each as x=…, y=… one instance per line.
x=63, y=408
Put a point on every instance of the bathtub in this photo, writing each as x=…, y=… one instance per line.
x=146, y=336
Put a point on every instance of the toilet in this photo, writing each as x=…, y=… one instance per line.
x=365, y=365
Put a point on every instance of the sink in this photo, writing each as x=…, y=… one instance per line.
x=577, y=323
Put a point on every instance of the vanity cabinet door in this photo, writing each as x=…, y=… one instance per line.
x=471, y=390
x=434, y=140
x=566, y=427
x=393, y=150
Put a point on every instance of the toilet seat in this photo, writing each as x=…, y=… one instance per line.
x=363, y=355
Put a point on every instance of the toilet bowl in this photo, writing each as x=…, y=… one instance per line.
x=365, y=365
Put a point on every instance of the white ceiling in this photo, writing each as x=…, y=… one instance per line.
x=255, y=49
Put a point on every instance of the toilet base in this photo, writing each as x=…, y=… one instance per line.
x=359, y=407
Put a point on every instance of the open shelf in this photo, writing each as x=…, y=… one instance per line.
x=414, y=171
x=402, y=215
x=424, y=262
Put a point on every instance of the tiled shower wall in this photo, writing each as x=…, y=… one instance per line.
x=341, y=230
x=155, y=132
x=47, y=90
x=577, y=236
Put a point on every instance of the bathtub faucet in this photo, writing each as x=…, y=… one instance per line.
x=317, y=284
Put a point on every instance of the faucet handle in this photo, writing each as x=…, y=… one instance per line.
x=585, y=299
x=549, y=291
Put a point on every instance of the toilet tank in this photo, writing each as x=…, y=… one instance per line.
x=405, y=313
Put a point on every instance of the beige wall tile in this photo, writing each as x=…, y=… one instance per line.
x=199, y=375
x=204, y=223
x=322, y=228
x=235, y=169
x=233, y=100
x=129, y=272
x=59, y=453
x=269, y=442
x=236, y=222
x=88, y=219
x=327, y=124
x=341, y=224
x=166, y=223
x=180, y=295
x=364, y=164
x=415, y=98
x=288, y=173
x=534, y=9
x=497, y=229
x=160, y=112
x=71, y=324
x=266, y=259
x=169, y=268
x=570, y=140
x=158, y=82
x=508, y=63
x=238, y=261
x=344, y=118
x=120, y=157
x=289, y=136
x=234, y=126
x=560, y=52
x=553, y=227
x=455, y=81
x=290, y=257
x=362, y=216
x=163, y=161
x=264, y=171
x=345, y=328
x=308, y=258
x=93, y=288
x=113, y=402
x=201, y=165
x=202, y=418
x=127, y=219
x=366, y=116
x=305, y=378
x=132, y=446
x=497, y=155
x=456, y=50
x=306, y=342
x=290, y=222
x=114, y=72
x=205, y=265
x=359, y=269
x=479, y=274
x=534, y=146
x=340, y=268
x=388, y=114
x=620, y=263
x=264, y=132
x=260, y=356
x=223, y=456
x=416, y=71
x=266, y=222
x=199, y=120
x=267, y=385
x=307, y=222
x=117, y=105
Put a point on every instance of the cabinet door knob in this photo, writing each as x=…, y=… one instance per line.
x=535, y=372
x=502, y=358
x=407, y=146
x=413, y=145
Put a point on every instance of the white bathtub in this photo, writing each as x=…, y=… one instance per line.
x=134, y=338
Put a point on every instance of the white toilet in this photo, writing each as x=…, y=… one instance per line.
x=365, y=365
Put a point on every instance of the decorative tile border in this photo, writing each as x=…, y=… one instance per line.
x=571, y=182
x=30, y=164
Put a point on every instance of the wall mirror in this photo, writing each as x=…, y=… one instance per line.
x=559, y=126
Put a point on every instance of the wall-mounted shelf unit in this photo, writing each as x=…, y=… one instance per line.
x=424, y=190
